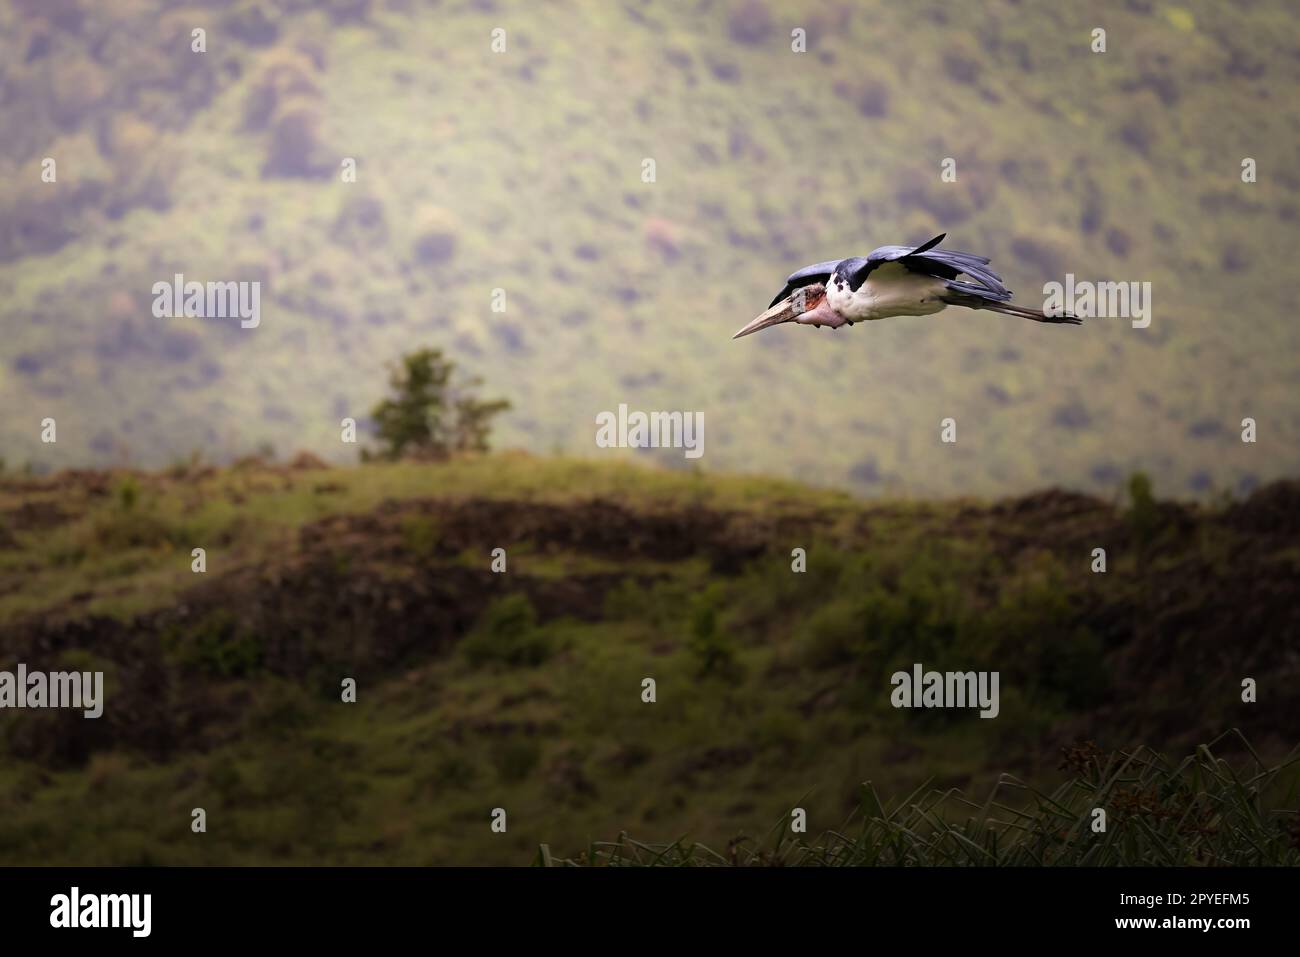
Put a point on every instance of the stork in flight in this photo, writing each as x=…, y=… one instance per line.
x=892, y=281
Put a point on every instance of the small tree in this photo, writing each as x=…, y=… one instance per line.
x=429, y=415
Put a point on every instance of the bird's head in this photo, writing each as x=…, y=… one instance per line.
x=806, y=305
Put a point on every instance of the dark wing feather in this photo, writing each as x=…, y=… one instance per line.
x=942, y=264
x=817, y=272
x=889, y=254
x=947, y=264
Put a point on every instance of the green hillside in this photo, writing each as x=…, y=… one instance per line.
x=523, y=689
x=522, y=171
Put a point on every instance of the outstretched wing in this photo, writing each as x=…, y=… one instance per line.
x=817, y=272
x=862, y=268
x=942, y=264
x=926, y=259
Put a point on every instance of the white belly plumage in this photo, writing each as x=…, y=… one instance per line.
x=890, y=290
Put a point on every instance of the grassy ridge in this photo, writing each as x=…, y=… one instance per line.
x=523, y=690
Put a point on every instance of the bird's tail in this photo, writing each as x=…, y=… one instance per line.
x=974, y=301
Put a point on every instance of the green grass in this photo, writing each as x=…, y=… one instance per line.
x=1201, y=811
x=129, y=560
x=524, y=690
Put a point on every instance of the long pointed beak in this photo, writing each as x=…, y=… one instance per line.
x=787, y=310
x=779, y=313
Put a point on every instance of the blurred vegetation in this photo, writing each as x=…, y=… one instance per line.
x=1202, y=811
x=523, y=690
x=713, y=649
x=429, y=414
x=227, y=165
x=509, y=636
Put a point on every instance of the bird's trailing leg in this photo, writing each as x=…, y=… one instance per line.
x=958, y=298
